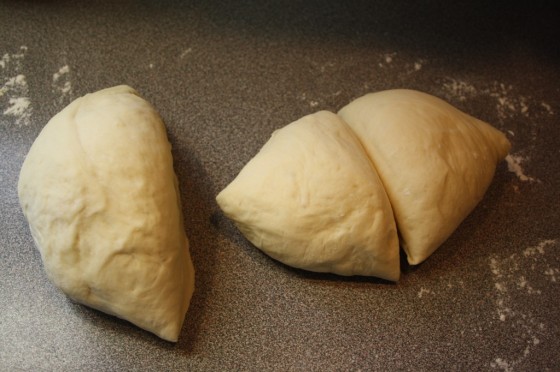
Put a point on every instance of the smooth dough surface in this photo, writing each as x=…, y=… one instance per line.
x=101, y=197
x=312, y=200
x=435, y=161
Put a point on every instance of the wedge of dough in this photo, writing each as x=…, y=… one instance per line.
x=102, y=201
x=435, y=161
x=311, y=199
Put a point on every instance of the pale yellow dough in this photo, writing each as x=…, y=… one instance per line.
x=312, y=199
x=435, y=161
x=102, y=201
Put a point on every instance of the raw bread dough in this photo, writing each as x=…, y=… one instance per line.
x=435, y=161
x=102, y=201
x=311, y=199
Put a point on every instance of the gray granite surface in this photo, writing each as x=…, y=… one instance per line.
x=224, y=75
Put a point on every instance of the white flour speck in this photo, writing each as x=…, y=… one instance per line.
x=552, y=273
x=514, y=165
x=460, y=89
x=424, y=291
x=539, y=248
x=311, y=102
x=522, y=283
x=15, y=103
x=500, y=287
x=61, y=83
x=501, y=364
x=18, y=107
x=5, y=60
x=508, y=104
x=417, y=66
x=185, y=53
x=62, y=71
x=508, y=281
x=547, y=107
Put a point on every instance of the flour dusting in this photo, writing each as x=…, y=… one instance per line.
x=386, y=59
x=511, y=281
x=501, y=364
x=15, y=103
x=552, y=274
x=459, y=89
x=185, y=53
x=61, y=83
x=514, y=165
x=423, y=291
x=521, y=111
x=507, y=102
x=313, y=103
x=18, y=107
x=547, y=107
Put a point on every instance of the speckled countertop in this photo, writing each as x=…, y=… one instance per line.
x=224, y=75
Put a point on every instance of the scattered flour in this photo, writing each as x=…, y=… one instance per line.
x=18, y=107
x=61, y=83
x=514, y=165
x=547, y=107
x=552, y=274
x=509, y=279
x=539, y=249
x=15, y=103
x=459, y=89
x=508, y=104
x=390, y=60
x=185, y=53
x=424, y=291
x=511, y=109
x=501, y=364
x=316, y=102
x=386, y=59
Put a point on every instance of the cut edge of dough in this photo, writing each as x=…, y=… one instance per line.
x=392, y=273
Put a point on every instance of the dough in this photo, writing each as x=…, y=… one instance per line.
x=435, y=161
x=101, y=197
x=311, y=199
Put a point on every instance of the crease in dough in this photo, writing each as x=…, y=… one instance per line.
x=101, y=197
x=312, y=200
x=434, y=160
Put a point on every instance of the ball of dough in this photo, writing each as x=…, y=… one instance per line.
x=101, y=197
x=435, y=161
x=312, y=199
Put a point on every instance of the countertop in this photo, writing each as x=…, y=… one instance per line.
x=224, y=75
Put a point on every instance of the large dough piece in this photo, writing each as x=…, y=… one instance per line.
x=435, y=161
x=102, y=201
x=312, y=199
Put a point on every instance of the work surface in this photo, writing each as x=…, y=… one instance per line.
x=224, y=75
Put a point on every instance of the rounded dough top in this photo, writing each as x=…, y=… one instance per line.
x=100, y=194
x=311, y=199
x=435, y=161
